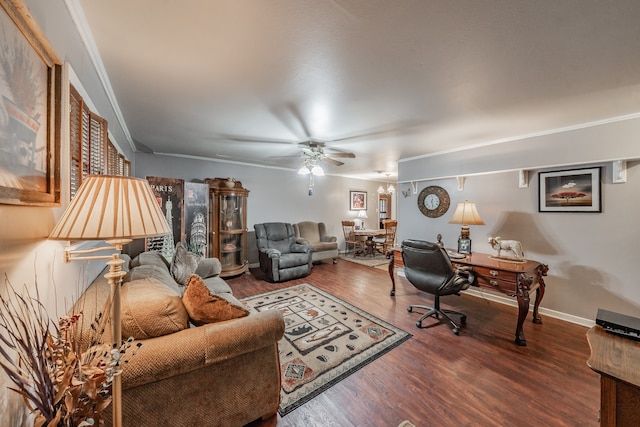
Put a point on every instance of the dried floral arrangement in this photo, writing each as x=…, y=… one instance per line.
x=62, y=384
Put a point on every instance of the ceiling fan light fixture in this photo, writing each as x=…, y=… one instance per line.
x=317, y=171
x=304, y=170
x=381, y=190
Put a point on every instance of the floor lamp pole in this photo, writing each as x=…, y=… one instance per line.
x=115, y=276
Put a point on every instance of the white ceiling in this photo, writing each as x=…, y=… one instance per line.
x=385, y=79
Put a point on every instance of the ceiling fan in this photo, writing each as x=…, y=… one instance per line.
x=314, y=151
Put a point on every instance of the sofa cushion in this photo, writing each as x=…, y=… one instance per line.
x=184, y=263
x=217, y=285
x=151, y=309
x=150, y=258
x=208, y=267
x=309, y=230
x=205, y=307
x=149, y=271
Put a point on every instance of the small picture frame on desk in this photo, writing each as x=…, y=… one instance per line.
x=464, y=246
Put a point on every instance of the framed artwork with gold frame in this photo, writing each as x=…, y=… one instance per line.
x=30, y=105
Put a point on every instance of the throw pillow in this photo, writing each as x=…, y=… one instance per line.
x=149, y=258
x=151, y=309
x=208, y=267
x=204, y=307
x=184, y=263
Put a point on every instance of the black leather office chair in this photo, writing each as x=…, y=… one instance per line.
x=428, y=267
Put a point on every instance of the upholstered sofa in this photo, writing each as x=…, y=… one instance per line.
x=219, y=374
x=315, y=235
x=281, y=257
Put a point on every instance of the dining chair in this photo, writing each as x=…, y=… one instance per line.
x=387, y=241
x=350, y=239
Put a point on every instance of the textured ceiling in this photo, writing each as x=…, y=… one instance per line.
x=387, y=80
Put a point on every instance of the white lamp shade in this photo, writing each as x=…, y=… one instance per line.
x=317, y=170
x=466, y=214
x=304, y=170
x=362, y=214
x=109, y=208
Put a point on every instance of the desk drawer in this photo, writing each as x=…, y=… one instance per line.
x=499, y=280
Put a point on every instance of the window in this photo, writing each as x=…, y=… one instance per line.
x=91, y=151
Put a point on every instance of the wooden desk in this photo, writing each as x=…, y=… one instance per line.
x=516, y=279
x=617, y=360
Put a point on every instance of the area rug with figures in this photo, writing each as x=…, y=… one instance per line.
x=325, y=340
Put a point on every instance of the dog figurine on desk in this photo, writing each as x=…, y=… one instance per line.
x=512, y=246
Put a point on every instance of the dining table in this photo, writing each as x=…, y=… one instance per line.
x=368, y=235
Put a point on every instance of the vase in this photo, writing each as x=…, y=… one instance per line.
x=230, y=183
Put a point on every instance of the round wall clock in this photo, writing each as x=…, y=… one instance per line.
x=433, y=201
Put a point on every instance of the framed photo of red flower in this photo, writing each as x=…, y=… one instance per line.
x=574, y=190
x=358, y=200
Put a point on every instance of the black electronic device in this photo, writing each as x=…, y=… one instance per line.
x=619, y=324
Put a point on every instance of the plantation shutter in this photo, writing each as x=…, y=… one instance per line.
x=113, y=160
x=75, y=140
x=97, y=144
x=91, y=151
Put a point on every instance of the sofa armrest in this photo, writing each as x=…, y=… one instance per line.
x=196, y=347
x=301, y=248
x=271, y=252
x=328, y=239
x=302, y=241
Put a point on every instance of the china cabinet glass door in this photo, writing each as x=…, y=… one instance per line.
x=228, y=225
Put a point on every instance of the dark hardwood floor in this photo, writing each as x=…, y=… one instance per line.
x=480, y=378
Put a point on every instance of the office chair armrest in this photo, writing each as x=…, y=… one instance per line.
x=466, y=272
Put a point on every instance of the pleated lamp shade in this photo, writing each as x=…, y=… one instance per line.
x=111, y=208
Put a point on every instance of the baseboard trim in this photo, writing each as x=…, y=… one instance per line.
x=513, y=303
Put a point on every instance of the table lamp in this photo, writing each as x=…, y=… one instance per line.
x=115, y=209
x=466, y=214
x=362, y=215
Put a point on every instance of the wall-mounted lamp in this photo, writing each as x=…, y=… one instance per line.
x=115, y=209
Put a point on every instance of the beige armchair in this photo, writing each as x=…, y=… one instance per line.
x=315, y=235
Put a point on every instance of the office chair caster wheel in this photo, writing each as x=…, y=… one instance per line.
x=419, y=324
x=463, y=319
x=409, y=309
x=455, y=331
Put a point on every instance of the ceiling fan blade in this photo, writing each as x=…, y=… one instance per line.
x=332, y=161
x=296, y=156
x=240, y=138
x=343, y=155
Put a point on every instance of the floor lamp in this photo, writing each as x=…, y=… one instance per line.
x=115, y=209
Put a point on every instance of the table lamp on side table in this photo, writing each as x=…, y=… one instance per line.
x=466, y=214
x=115, y=209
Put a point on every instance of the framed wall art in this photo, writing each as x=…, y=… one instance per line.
x=30, y=111
x=170, y=197
x=358, y=200
x=575, y=190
